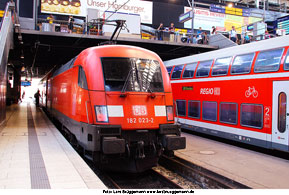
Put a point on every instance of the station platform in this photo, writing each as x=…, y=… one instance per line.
x=253, y=169
x=34, y=154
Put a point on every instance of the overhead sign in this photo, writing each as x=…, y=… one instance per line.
x=185, y=17
x=79, y=7
x=230, y=10
x=25, y=83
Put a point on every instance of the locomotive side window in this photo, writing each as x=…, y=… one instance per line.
x=169, y=69
x=194, y=109
x=190, y=70
x=210, y=111
x=228, y=113
x=177, y=72
x=132, y=74
x=242, y=64
x=82, y=78
x=282, y=104
x=252, y=115
x=221, y=66
x=268, y=61
x=286, y=63
x=181, y=107
x=204, y=68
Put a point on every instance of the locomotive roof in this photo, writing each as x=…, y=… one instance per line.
x=232, y=51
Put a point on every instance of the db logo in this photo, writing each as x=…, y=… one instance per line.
x=139, y=110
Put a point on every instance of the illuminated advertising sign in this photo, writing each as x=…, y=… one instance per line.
x=205, y=19
x=223, y=22
x=79, y=7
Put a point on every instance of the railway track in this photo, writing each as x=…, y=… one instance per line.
x=205, y=178
x=150, y=179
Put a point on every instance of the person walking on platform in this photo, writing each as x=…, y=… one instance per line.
x=172, y=32
x=160, y=32
x=233, y=35
x=37, y=96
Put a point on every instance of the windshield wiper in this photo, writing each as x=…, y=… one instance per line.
x=122, y=94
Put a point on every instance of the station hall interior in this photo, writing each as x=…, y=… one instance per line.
x=42, y=41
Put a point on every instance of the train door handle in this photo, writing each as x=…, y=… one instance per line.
x=87, y=112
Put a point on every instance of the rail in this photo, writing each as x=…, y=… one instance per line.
x=203, y=177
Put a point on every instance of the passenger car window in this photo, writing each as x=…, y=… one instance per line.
x=189, y=70
x=194, y=109
x=181, y=107
x=242, y=64
x=252, y=115
x=177, y=72
x=228, y=113
x=221, y=66
x=169, y=69
x=82, y=78
x=282, y=104
x=268, y=61
x=210, y=111
x=286, y=63
x=204, y=69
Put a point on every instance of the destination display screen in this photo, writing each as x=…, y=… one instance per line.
x=283, y=23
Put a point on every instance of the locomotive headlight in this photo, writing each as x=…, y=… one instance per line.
x=170, y=113
x=101, y=113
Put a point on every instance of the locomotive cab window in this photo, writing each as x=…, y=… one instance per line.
x=210, y=111
x=282, y=104
x=132, y=74
x=286, y=63
x=228, y=113
x=268, y=61
x=190, y=70
x=242, y=64
x=204, y=68
x=194, y=109
x=252, y=115
x=169, y=69
x=82, y=79
x=181, y=107
x=176, y=74
x=221, y=66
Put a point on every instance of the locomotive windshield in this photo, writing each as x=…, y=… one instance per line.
x=132, y=74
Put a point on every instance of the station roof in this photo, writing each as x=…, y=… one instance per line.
x=44, y=50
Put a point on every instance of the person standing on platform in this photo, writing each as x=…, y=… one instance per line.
x=233, y=35
x=200, y=36
x=37, y=96
x=50, y=19
x=160, y=32
x=172, y=32
x=213, y=31
x=70, y=24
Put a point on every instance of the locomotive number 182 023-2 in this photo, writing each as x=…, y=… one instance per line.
x=140, y=120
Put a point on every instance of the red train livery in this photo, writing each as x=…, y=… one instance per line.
x=116, y=103
x=239, y=93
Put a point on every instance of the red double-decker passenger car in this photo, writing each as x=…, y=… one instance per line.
x=239, y=93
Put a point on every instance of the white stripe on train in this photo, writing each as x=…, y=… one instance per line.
x=226, y=78
x=237, y=131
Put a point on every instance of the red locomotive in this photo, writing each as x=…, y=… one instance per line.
x=239, y=93
x=116, y=102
